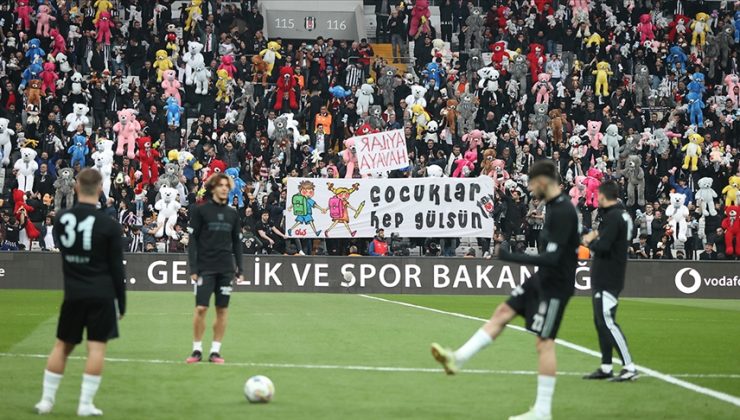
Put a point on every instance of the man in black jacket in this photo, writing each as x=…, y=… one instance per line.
x=609, y=249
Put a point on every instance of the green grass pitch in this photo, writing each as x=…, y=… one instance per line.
x=323, y=353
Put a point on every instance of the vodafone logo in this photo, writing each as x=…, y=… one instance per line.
x=694, y=280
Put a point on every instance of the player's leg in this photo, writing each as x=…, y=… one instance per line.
x=609, y=306
x=91, y=379
x=223, y=296
x=53, y=374
x=605, y=340
x=203, y=291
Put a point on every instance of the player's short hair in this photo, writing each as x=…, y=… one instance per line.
x=89, y=181
x=610, y=190
x=544, y=168
x=215, y=179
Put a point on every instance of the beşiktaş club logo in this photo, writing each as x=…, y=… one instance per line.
x=688, y=281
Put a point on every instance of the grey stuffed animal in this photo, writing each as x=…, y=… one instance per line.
x=540, y=119
x=627, y=149
x=375, y=117
x=475, y=24
x=635, y=180
x=661, y=142
x=170, y=177
x=711, y=55
x=386, y=84
x=65, y=189
x=466, y=110
x=611, y=140
x=518, y=70
x=725, y=40
x=642, y=84
x=475, y=62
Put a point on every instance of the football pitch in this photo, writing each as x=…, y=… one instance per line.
x=367, y=357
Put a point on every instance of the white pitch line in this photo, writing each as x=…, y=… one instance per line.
x=672, y=379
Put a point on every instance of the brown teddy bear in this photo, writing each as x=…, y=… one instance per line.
x=489, y=155
x=556, y=125
x=259, y=69
x=34, y=93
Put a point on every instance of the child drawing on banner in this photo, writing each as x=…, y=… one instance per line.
x=302, y=205
x=339, y=205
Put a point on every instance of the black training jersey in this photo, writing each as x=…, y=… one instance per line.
x=92, y=254
x=558, y=248
x=610, y=249
x=214, y=243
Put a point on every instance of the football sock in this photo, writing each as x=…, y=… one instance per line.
x=476, y=343
x=198, y=346
x=216, y=347
x=90, y=384
x=51, y=384
x=606, y=368
x=630, y=367
x=545, y=389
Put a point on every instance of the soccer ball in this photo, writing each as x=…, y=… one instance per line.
x=259, y=389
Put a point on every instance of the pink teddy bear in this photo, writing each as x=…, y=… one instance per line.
x=103, y=26
x=43, y=17
x=59, y=44
x=500, y=175
x=466, y=165
x=127, y=128
x=474, y=140
x=420, y=10
x=349, y=157
x=23, y=10
x=171, y=85
x=594, y=135
x=733, y=89
x=543, y=87
x=50, y=77
x=592, y=182
x=578, y=190
x=646, y=28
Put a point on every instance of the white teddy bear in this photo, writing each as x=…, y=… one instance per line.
x=677, y=214
x=364, y=98
x=193, y=59
x=5, y=134
x=26, y=167
x=707, y=195
x=103, y=158
x=488, y=79
x=77, y=117
x=417, y=96
x=167, y=206
x=201, y=76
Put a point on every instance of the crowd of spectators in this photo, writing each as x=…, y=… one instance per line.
x=69, y=69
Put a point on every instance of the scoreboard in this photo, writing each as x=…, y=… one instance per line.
x=311, y=19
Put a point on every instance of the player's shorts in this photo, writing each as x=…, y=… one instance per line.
x=98, y=316
x=541, y=311
x=209, y=283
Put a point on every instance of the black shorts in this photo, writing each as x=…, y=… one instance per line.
x=542, y=311
x=98, y=316
x=209, y=283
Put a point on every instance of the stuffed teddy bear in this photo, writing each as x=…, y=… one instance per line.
x=78, y=150
x=64, y=185
x=162, y=62
x=26, y=167
x=227, y=63
x=286, y=84
x=50, y=77
x=21, y=211
x=434, y=72
x=43, y=20
x=518, y=70
x=700, y=27
x=34, y=92
x=281, y=128
x=5, y=143
x=602, y=72
x=635, y=180
x=594, y=135
x=63, y=62
x=171, y=85
x=679, y=27
x=270, y=55
x=731, y=225
x=386, y=83
x=201, y=77
x=148, y=158
x=349, y=157
x=416, y=97
x=375, y=118
x=103, y=27
x=731, y=191
x=216, y=166
x=592, y=182
x=500, y=57
x=489, y=155
x=77, y=118
x=677, y=213
x=467, y=109
x=500, y=175
x=488, y=79
x=364, y=97
x=127, y=128
x=724, y=40
x=35, y=54
x=706, y=196
x=578, y=190
x=168, y=207
x=449, y=115
x=540, y=120
x=103, y=162
x=642, y=84
x=465, y=165
x=611, y=140
x=475, y=62
x=223, y=85
x=420, y=117
x=695, y=108
x=693, y=151
x=646, y=28
x=556, y=126
x=193, y=59
x=476, y=25
x=24, y=11
x=195, y=14
x=543, y=88
x=58, y=44
x=173, y=111
x=77, y=84
x=537, y=60
x=238, y=190
x=420, y=15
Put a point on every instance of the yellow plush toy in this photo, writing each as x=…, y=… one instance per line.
x=224, y=86
x=194, y=14
x=594, y=39
x=421, y=118
x=602, y=72
x=270, y=54
x=700, y=27
x=732, y=191
x=162, y=63
x=693, y=151
x=102, y=6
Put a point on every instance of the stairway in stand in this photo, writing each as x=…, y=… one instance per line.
x=386, y=51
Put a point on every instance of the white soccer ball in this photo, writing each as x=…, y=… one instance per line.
x=259, y=389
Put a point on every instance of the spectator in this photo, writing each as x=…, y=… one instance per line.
x=378, y=246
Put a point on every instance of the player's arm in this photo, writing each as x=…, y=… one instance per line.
x=608, y=232
x=554, y=252
x=194, y=232
x=117, y=271
x=236, y=246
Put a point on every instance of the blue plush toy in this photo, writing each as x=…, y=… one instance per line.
x=35, y=53
x=174, y=111
x=30, y=73
x=239, y=185
x=78, y=150
x=677, y=55
x=737, y=27
x=434, y=71
x=339, y=92
x=696, y=115
x=697, y=83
